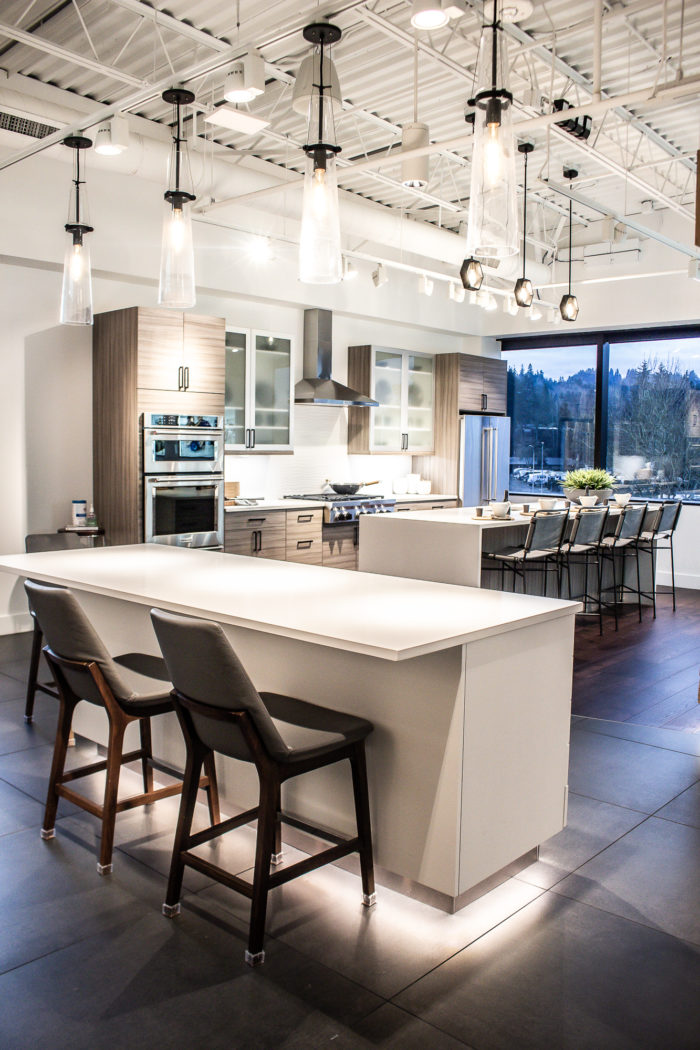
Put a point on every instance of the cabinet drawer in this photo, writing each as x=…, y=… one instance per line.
x=301, y=522
x=307, y=550
x=239, y=521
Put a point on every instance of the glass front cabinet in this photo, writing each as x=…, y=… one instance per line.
x=259, y=395
x=403, y=383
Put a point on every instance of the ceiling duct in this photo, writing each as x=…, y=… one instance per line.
x=25, y=126
x=318, y=387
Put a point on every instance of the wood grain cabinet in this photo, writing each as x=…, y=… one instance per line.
x=256, y=535
x=145, y=360
x=304, y=536
x=482, y=384
x=403, y=384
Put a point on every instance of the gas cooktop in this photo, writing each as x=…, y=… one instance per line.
x=345, y=509
x=332, y=497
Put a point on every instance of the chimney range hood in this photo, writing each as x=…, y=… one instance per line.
x=317, y=387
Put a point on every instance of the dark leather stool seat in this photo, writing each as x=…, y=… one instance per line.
x=132, y=687
x=220, y=710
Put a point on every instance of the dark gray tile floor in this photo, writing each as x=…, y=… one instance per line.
x=596, y=945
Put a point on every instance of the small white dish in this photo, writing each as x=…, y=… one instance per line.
x=588, y=501
x=622, y=498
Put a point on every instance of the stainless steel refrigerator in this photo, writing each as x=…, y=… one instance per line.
x=484, y=458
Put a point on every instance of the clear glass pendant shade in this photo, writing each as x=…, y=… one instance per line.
x=76, y=294
x=176, y=286
x=320, y=260
x=493, y=220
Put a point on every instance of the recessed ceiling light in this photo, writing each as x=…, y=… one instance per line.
x=236, y=120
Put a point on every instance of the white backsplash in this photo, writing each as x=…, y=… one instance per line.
x=320, y=452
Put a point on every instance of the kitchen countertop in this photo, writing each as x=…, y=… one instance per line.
x=383, y=616
x=296, y=504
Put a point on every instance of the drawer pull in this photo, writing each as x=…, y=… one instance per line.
x=302, y=518
x=303, y=545
x=257, y=519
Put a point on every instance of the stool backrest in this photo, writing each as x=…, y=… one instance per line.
x=589, y=525
x=546, y=530
x=203, y=666
x=37, y=542
x=70, y=635
x=668, y=519
x=630, y=526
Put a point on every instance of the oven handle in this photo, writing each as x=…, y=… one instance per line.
x=196, y=481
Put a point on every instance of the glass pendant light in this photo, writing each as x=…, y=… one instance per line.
x=76, y=294
x=472, y=274
x=320, y=259
x=568, y=307
x=493, y=222
x=176, y=286
x=523, y=286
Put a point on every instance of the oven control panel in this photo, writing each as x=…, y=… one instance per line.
x=163, y=419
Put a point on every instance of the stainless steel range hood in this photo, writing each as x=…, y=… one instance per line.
x=317, y=387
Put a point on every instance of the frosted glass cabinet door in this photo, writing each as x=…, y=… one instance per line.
x=236, y=389
x=419, y=403
x=273, y=372
x=387, y=423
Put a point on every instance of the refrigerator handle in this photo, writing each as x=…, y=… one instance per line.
x=484, y=491
x=494, y=462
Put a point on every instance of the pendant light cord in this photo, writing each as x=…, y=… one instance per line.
x=320, y=94
x=494, y=46
x=77, y=187
x=177, y=145
x=571, y=204
x=524, y=213
x=415, y=81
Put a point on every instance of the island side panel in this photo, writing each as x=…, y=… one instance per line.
x=516, y=745
x=414, y=753
x=444, y=552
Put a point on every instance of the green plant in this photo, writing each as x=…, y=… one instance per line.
x=594, y=478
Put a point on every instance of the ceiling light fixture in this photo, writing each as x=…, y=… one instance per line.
x=76, y=293
x=472, y=274
x=428, y=14
x=246, y=79
x=236, y=120
x=568, y=307
x=457, y=292
x=379, y=276
x=510, y=306
x=349, y=270
x=112, y=137
x=415, y=171
x=523, y=287
x=260, y=250
x=425, y=284
x=320, y=260
x=493, y=221
x=176, y=285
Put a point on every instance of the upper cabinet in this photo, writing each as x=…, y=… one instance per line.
x=403, y=384
x=259, y=374
x=179, y=352
x=482, y=384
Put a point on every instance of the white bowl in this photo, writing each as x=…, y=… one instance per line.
x=622, y=498
x=500, y=510
x=424, y=487
x=588, y=501
x=547, y=503
x=400, y=486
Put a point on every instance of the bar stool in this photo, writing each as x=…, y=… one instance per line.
x=582, y=545
x=221, y=711
x=129, y=691
x=662, y=527
x=540, y=550
x=35, y=543
x=624, y=542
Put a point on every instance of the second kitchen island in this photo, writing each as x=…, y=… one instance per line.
x=469, y=692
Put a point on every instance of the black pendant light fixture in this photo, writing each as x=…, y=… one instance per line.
x=76, y=293
x=176, y=285
x=568, y=307
x=523, y=286
x=320, y=257
x=472, y=274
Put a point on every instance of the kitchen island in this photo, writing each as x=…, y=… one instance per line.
x=469, y=691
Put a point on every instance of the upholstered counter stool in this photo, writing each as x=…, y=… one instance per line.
x=540, y=550
x=619, y=548
x=657, y=535
x=221, y=711
x=581, y=548
x=131, y=688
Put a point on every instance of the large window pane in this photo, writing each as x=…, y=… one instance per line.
x=551, y=403
x=654, y=417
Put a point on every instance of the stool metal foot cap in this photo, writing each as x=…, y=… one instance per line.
x=254, y=958
x=277, y=858
x=28, y=719
x=171, y=910
x=48, y=833
x=369, y=899
x=104, y=869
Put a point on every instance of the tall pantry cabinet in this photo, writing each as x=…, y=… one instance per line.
x=145, y=360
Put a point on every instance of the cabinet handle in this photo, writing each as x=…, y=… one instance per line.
x=303, y=545
x=484, y=402
x=251, y=520
x=181, y=377
x=247, y=439
x=356, y=535
x=303, y=518
x=253, y=437
x=187, y=377
x=259, y=540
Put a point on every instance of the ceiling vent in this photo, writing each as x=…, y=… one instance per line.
x=22, y=126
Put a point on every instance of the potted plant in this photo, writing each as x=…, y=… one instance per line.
x=595, y=481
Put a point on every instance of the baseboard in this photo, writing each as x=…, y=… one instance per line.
x=690, y=580
x=15, y=623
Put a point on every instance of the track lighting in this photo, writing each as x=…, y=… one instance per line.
x=320, y=260
x=456, y=292
x=472, y=274
x=76, y=292
x=176, y=286
x=568, y=307
x=349, y=270
x=379, y=276
x=425, y=284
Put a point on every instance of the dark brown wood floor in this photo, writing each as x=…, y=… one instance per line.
x=645, y=673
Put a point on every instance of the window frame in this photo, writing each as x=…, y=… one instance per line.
x=602, y=340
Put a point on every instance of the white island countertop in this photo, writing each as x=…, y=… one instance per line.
x=383, y=616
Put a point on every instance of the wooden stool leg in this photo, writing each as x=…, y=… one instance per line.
x=146, y=754
x=37, y=639
x=117, y=726
x=267, y=820
x=364, y=828
x=65, y=717
x=212, y=788
x=188, y=799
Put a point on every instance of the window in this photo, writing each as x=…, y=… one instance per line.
x=628, y=402
x=551, y=404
